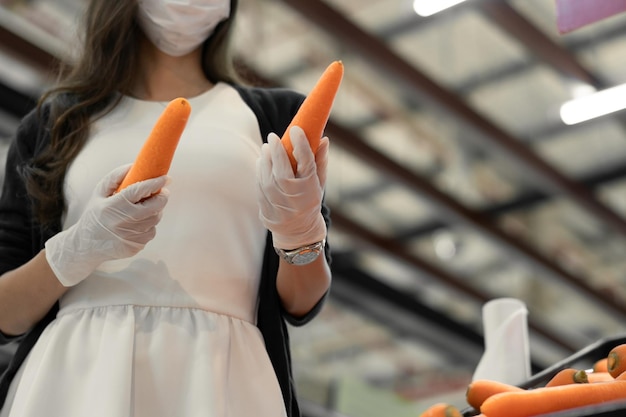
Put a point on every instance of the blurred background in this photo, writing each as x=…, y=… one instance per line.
x=453, y=180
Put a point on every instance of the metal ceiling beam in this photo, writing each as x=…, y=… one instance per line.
x=399, y=70
x=413, y=22
x=562, y=58
x=521, y=29
x=453, y=336
x=405, y=316
x=15, y=102
x=29, y=52
x=345, y=267
x=398, y=251
x=542, y=46
x=454, y=211
x=526, y=201
x=536, y=41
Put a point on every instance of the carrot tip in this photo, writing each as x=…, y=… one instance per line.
x=314, y=111
x=156, y=155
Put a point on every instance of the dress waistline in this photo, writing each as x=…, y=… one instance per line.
x=96, y=292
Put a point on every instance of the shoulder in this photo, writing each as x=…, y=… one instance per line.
x=32, y=132
x=273, y=107
x=274, y=97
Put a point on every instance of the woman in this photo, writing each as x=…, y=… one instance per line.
x=169, y=297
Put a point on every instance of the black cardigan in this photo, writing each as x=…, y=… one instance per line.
x=21, y=238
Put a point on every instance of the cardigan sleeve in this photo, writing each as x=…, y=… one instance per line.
x=20, y=236
x=16, y=227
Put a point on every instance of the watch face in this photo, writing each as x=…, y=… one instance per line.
x=305, y=257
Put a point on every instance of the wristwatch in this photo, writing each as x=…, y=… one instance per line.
x=302, y=256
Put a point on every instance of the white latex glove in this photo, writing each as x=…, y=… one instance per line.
x=113, y=226
x=290, y=204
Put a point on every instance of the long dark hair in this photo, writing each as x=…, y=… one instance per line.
x=93, y=85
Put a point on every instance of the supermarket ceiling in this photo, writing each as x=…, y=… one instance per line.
x=453, y=179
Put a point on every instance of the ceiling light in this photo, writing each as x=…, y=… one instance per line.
x=430, y=7
x=594, y=105
x=446, y=245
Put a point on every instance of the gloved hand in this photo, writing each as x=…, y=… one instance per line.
x=290, y=204
x=113, y=226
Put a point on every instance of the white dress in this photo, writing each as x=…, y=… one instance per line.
x=171, y=331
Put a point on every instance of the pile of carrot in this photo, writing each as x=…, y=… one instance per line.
x=312, y=115
x=568, y=389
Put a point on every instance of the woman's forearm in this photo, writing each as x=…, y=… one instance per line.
x=27, y=294
x=302, y=286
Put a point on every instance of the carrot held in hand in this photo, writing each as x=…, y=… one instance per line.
x=313, y=114
x=546, y=400
x=155, y=157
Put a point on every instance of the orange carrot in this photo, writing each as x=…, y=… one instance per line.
x=601, y=365
x=155, y=157
x=314, y=111
x=481, y=389
x=441, y=410
x=599, y=377
x=568, y=376
x=545, y=400
x=616, y=360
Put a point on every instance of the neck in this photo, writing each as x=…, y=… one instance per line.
x=166, y=77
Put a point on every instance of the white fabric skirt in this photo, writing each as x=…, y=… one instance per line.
x=144, y=361
x=169, y=332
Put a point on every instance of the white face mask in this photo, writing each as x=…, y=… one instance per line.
x=177, y=27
